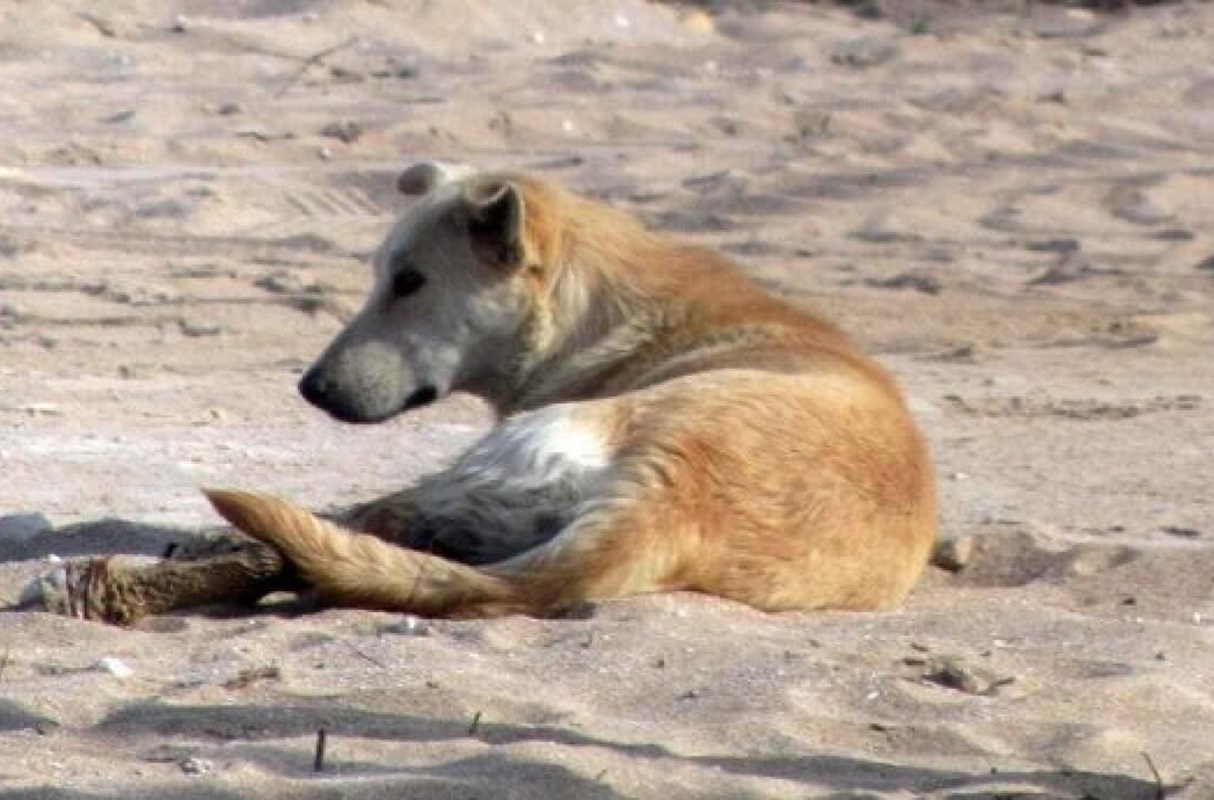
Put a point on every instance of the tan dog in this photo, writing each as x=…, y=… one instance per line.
x=666, y=425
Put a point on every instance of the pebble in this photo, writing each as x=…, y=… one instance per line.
x=284, y=282
x=200, y=329
x=953, y=673
x=345, y=131
x=115, y=667
x=954, y=555
x=409, y=626
x=863, y=53
x=195, y=766
x=23, y=526
x=919, y=281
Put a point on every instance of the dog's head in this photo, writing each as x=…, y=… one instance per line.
x=447, y=304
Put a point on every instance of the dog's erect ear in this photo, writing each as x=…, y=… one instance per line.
x=420, y=178
x=495, y=223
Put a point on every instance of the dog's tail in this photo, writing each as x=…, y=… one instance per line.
x=358, y=570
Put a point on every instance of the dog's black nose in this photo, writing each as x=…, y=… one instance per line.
x=315, y=388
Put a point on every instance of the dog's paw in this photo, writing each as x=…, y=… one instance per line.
x=82, y=588
x=50, y=591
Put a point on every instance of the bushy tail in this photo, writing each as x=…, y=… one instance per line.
x=361, y=571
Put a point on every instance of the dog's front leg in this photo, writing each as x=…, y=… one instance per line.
x=123, y=589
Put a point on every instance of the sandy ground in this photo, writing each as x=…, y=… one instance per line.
x=1013, y=211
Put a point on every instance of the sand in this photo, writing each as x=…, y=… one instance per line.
x=1011, y=209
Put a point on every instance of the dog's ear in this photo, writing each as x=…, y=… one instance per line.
x=495, y=223
x=422, y=177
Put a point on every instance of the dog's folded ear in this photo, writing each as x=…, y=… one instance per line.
x=422, y=177
x=495, y=222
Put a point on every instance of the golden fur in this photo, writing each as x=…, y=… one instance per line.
x=752, y=452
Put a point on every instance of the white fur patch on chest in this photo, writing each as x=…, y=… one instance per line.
x=519, y=485
x=538, y=447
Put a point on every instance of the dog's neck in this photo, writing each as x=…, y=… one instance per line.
x=592, y=370
x=577, y=345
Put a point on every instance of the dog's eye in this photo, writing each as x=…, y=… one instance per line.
x=406, y=282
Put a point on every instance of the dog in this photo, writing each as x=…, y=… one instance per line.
x=664, y=424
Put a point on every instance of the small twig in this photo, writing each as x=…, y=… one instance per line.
x=476, y=721
x=4, y=661
x=312, y=60
x=318, y=760
x=103, y=27
x=1160, y=792
x=259, y=136
x=366, y=656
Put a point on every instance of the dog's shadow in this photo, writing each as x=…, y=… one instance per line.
x=103, y=537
